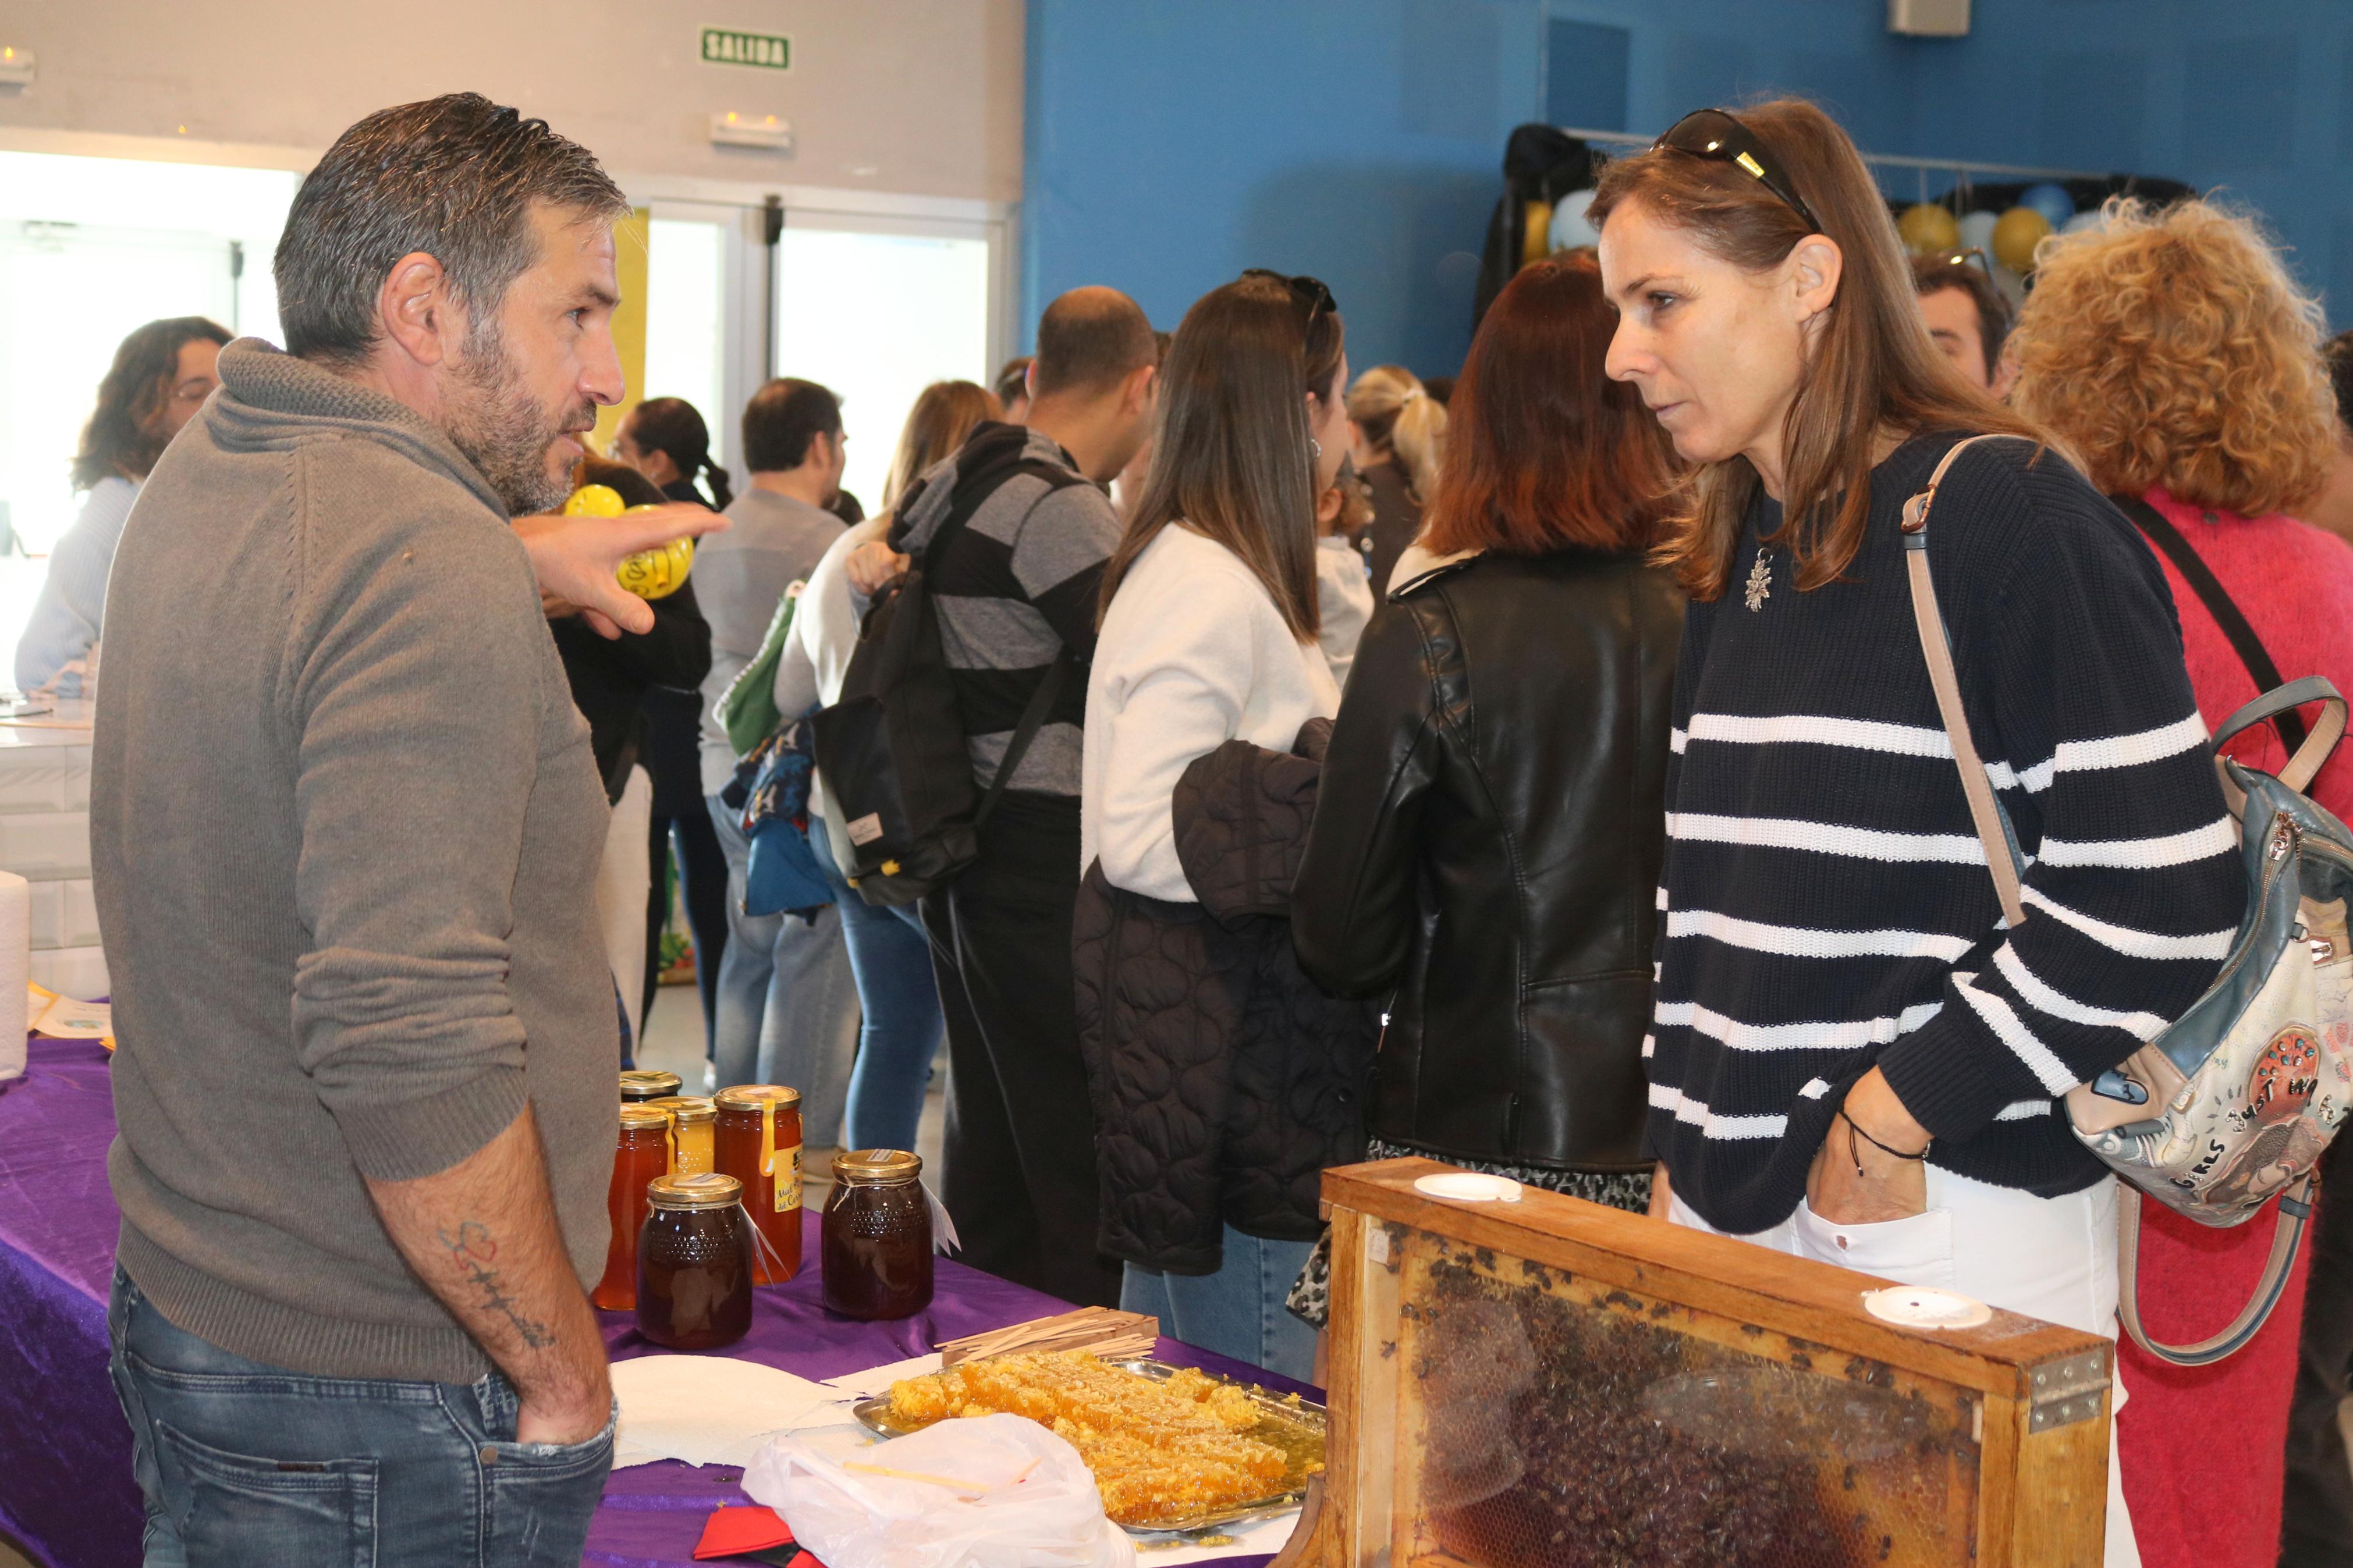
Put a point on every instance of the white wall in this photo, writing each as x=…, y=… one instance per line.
x=920, y=97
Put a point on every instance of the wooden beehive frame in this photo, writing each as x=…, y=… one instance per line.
x=2041, y=1494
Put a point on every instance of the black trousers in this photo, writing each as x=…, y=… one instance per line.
x=703, y=880
x=2316, y=1521
x=1021, y=1149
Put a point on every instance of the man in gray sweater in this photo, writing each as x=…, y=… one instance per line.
x=344, y=824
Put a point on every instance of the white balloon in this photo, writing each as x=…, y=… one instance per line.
x=1570, y=228
x=2092, y=218
x=1977, y=231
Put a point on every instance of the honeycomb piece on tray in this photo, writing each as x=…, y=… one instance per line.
x=1160, y=1449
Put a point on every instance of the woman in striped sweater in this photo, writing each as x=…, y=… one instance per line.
x=1852, y=1058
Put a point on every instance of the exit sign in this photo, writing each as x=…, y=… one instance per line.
x=723, y=47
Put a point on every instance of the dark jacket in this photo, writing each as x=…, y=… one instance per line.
x=611, y=676
x=1486, y=853
x=1223, y=1080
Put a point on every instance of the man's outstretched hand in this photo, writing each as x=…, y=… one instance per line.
x=574, y=559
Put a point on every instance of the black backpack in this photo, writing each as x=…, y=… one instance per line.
x=892, y=750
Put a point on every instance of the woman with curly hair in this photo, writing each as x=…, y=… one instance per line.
x=2171, y=351
x=162, y=374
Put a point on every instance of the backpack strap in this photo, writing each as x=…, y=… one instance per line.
x=2287, y=1234
x=2218, y=605
x=1985, y=811
x=1033, y=718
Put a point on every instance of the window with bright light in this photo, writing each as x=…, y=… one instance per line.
x=89, y=250
x=877, y=318
x=684, y=346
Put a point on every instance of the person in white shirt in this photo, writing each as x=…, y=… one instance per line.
x=1208, y=634
x=890, y=957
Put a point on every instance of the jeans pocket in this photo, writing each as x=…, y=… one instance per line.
x=542, y=1499
x=270, y=1513
x=1914, y=1251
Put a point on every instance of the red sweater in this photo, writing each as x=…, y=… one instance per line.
x=2202, y=1451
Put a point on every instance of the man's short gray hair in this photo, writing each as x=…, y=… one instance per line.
x=454, y=177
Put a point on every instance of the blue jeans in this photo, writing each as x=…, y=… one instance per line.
x=787, y=1009
x=899, y=1003
x=249, y=1465
x=1237, y=1311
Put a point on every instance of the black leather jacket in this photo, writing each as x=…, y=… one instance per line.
x=1487, y=849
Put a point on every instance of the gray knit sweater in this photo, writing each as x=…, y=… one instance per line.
x=343, y=827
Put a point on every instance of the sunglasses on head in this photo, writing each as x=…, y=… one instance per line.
x=1713, y=134
x=1304, y=290
x=1972, y=257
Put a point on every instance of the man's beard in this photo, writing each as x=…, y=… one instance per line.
x=502, y=429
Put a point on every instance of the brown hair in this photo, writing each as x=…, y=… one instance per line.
x=1402, y=420
x=1953, y=269
x=120, y=440
x=2171, y=348
x=1089, y=340
x=943, y=417
x=1231, y=457
x=1546, y=452
x=1873, y=372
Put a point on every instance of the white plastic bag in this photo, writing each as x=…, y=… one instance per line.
x=981, y=1491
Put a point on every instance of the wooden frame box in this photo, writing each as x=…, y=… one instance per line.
x=1549, y=1384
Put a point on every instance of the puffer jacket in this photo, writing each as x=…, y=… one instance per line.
x=1223, y=1080
x=1486, y=853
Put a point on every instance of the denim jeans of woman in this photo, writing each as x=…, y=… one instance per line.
x=245, y=1465
x=899, y=1009
x=1239, y=1310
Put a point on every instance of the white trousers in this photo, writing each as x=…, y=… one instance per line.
x=2053, y=1258
x=624, y=880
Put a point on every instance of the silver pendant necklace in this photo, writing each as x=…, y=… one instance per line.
x=1760, y=579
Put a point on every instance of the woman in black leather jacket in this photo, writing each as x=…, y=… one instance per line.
x=1485, y=853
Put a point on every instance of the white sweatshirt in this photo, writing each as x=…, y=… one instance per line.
x=815, y=659
x=1193, y=654
x=1343, y=591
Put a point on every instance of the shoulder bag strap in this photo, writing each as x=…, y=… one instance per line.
x=1984, y=812
x=2218, y=605
x=2287, y=1233
x=2295, y=1205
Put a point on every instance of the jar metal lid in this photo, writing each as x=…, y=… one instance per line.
x=639, y=1118
x=686, y=1108
x=648, y=1085
x=754, y=1096
x=877, y=1167
x=707, y=1191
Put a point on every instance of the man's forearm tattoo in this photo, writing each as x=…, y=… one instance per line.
x=472, y=1251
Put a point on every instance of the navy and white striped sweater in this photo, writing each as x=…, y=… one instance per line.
x=1827, y=902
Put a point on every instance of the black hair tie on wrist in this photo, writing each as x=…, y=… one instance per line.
x=1855, y=1155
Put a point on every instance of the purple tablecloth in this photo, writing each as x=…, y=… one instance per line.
x=66, y=1490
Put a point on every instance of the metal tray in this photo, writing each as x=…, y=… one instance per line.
x=1300, y=1431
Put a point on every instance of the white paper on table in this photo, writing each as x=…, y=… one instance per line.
x=67, y=1019
x=876, y=1380
x=708, y=1410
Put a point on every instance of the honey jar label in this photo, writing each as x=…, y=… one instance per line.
x=789, y=1180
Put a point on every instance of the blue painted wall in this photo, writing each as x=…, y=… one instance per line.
x=1173, y=142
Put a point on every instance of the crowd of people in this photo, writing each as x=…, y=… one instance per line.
x=1536, y=771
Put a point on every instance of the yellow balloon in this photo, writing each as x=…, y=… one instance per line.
x=1928, y=229
x=2015, y=235
x=594, y=500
